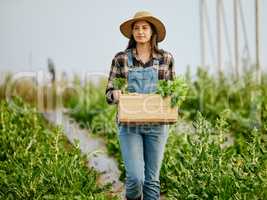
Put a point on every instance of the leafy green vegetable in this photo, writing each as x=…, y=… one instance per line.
x=176, y=88
x=120, y=84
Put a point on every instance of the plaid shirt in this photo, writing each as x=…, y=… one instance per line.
x=119, y=68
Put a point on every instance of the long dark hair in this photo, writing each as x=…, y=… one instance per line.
x=153, y=41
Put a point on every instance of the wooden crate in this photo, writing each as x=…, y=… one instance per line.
x=146, y=108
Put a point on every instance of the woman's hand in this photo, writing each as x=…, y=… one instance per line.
x=116, y=95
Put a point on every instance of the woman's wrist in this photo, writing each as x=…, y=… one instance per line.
x=116, y=95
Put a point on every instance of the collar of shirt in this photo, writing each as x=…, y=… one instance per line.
x=154, y=55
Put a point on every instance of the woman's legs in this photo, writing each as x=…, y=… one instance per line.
x=155, y=137
x=139, y=145
x=131, y=144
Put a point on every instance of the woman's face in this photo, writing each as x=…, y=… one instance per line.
x=142, y=32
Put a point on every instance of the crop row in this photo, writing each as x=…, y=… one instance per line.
x=37, y=162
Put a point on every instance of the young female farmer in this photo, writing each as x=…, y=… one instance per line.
x=143, y=64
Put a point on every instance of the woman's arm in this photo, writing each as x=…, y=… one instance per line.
x=171, y=68
x=114, y=72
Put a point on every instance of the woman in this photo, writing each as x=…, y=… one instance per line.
x=143, y=64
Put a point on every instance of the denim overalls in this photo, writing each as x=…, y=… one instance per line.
x=142, y=146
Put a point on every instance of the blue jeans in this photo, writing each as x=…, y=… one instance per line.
x=142, y=148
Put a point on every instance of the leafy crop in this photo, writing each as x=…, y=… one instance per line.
x=91, y=111
x=196, y=166
x=243, y=102
x=176, y=88
x=39, y=163
x=120, y=84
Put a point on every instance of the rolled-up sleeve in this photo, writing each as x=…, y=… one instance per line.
x=114, y=72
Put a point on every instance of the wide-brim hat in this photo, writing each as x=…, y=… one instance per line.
x=126, y=27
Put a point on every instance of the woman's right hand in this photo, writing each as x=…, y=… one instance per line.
x=116, y=95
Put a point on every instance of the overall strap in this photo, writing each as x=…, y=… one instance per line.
x=130, y=58
x=155, y=62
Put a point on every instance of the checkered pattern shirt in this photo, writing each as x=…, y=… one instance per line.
x=119, y=68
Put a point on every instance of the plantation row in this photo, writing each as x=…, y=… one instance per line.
x=37, y=162
x=196, y=166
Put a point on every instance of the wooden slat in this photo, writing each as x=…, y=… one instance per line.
x=146, y=108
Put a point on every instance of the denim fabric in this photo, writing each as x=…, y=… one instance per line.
x=142, y=146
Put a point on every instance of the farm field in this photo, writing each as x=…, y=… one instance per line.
x=37, y=161
x=217, y=150
x=199, y=163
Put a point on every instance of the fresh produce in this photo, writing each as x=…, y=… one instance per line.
x=176, y=88
x=120, y=84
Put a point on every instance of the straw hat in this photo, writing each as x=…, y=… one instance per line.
x=126, y=27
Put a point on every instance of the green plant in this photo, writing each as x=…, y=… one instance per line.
x=120, y=84
x=244, y=100
x=37, y=162
x=197, y=166
x=176, y=88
